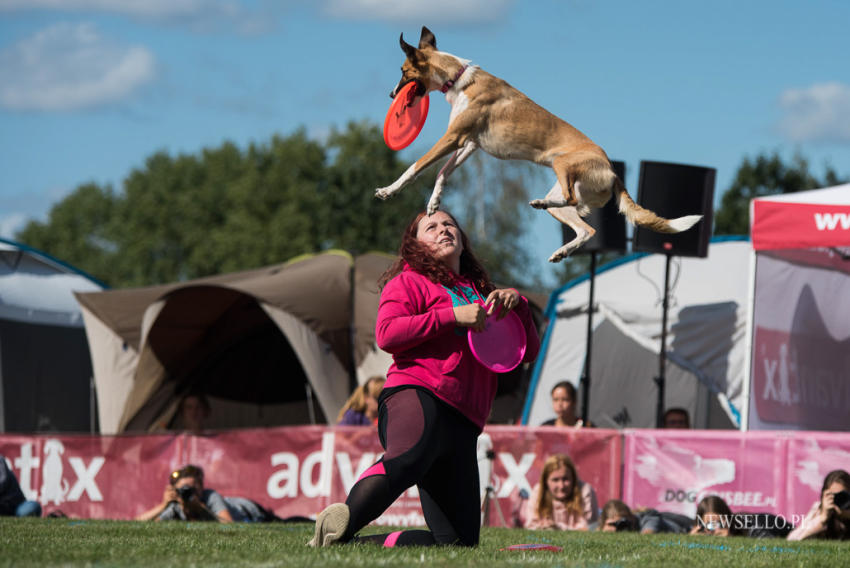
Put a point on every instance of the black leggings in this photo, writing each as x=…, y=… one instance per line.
x=432, y=446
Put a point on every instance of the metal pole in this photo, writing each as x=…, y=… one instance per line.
x=662, y=356
x=585, y=379
x=311, y=413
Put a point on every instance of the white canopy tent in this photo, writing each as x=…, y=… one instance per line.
x=45, y=370
x=706, y=354
x=800, y=324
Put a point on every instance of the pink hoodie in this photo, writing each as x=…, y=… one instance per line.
x=416, y=325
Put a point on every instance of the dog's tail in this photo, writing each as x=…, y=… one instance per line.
x=645, y=218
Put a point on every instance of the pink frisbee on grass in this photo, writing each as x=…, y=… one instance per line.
x=501, y=346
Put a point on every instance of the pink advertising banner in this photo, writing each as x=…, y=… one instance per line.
x=673, y=470
x=295, y=471
x=755, y=472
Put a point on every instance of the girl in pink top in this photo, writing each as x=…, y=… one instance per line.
x=561, y=500
x=437, y=396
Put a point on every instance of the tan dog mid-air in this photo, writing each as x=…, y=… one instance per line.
x=488, y=113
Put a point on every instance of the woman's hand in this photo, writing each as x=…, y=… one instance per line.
x=507, y=298
x=169, y=495
x=828, y=508
x=471, y=315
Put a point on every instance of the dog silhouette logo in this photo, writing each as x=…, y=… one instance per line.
x=53, y=488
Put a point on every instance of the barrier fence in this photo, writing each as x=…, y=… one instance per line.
x=299, y=470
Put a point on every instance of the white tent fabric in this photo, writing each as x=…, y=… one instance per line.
x=706, y=355
x=800, y=323
x=42, y=342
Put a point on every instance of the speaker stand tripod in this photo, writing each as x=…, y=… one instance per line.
x=490, y=498
x=661, y=380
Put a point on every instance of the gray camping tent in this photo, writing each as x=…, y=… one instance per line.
x=45, y=370
x=270, y=346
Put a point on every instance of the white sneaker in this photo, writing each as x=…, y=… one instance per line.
x=330, y=525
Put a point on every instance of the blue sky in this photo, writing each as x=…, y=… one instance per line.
x=90, y=88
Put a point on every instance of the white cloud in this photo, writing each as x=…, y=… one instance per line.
x=428, y=12
x=11, y=224
x=197, y=15
x=70, y=66
x=820, y=113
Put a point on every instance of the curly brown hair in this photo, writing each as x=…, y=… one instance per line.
x=420, y=258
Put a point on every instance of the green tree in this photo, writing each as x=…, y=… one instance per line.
x=353, y=218
x=764, y=175
x=78, y=230
x=490, y=198
x=227, y=209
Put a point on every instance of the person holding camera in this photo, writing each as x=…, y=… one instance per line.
x=618, y=517
x=829, y=518
x=186, y=499
x=714, y=517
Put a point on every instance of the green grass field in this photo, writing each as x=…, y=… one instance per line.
x=68, y=542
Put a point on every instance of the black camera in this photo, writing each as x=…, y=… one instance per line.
x=186, y=493
x=842, y=500
x=622, y=524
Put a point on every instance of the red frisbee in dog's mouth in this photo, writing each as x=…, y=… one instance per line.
x=406, y=116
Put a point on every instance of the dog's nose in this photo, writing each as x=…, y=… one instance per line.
x=392, y=94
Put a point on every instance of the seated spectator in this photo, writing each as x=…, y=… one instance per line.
x=361, y=408
x=193, y=413
x=618, y=517
x=676, y=419
x=12, y=500
x=829, y=517
x=714, y=517
x=186, y=499
x=560, y=500
x=564, y=396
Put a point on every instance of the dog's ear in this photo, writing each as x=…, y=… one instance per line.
x=408, y=49
x=427, y=39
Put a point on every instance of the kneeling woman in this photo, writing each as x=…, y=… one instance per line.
x=437, y=396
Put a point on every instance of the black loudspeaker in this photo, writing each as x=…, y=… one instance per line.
x=675, y=190
x=609, y=223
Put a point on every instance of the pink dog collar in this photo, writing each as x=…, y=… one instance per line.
x=450, y=83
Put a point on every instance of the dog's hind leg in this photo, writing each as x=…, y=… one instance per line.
x=555, y=198
x=569, y=216
x=566, y=178
x=456, y=159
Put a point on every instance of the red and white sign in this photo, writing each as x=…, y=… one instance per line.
x=800, y=379
x=808, y=219
x=295, y=471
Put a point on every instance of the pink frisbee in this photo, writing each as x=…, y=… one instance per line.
x=501, y=346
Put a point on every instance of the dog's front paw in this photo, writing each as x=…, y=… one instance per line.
x=538, y=204
x=433, y=205
x=383, y=192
